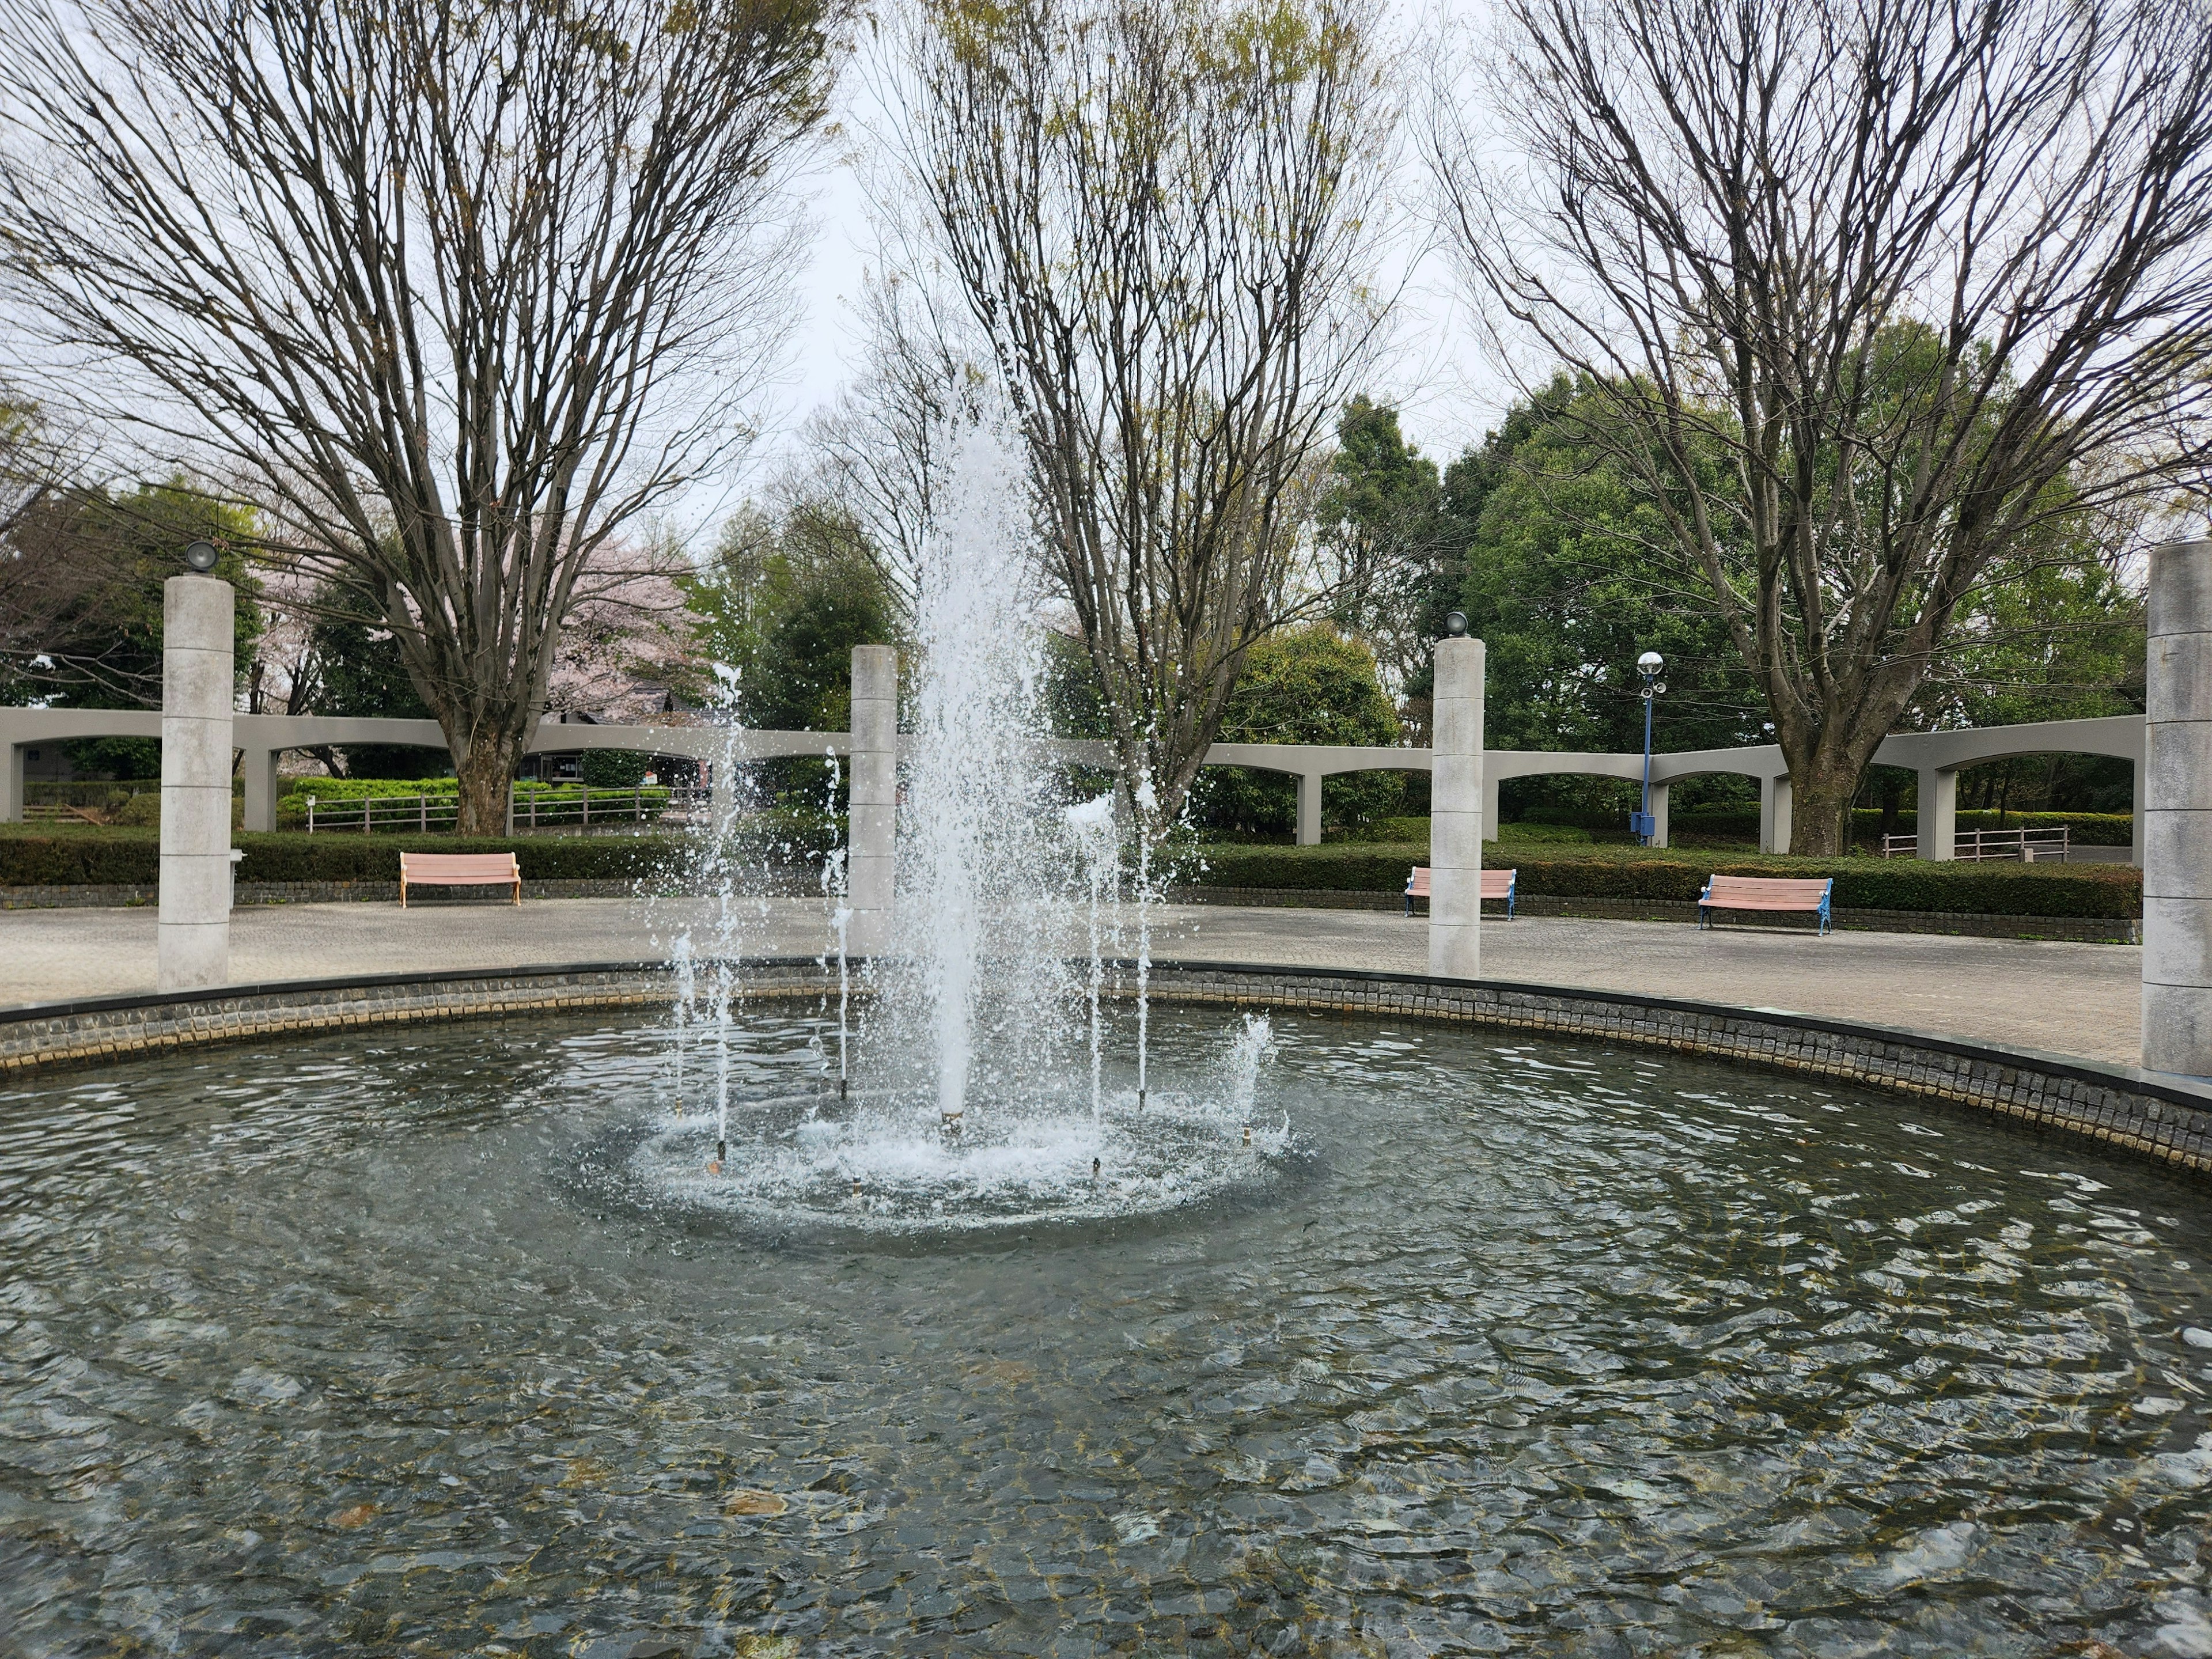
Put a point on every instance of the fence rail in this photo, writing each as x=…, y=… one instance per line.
x=531, y=809
x=1974, y=846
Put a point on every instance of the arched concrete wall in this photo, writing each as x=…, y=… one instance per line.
x=1935, y=755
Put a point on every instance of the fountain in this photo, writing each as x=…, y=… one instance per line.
x=592, y=1334
x=965, y=1115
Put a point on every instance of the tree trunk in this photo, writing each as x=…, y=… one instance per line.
x=1823, y=785
x=485, y=768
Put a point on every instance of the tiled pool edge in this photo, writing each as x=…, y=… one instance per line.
x=2169, y=1120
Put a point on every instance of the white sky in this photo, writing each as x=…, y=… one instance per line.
x=1448, y=392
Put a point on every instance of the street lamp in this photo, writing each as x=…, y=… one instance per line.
x=1648, y=666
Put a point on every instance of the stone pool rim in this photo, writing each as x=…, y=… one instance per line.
x=2165, y=1119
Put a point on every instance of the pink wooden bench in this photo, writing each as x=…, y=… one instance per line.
x=458, y=870
x=1764, y=893
x=1496, y=885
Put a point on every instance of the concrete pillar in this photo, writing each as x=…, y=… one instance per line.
x=194, y=951
x=259, y=766
x=1774, y=814
x=1659, y=792
x=1937, y=831
x=1489, y=805
x=1455, y=813
x=2175, y=811
x=11, y=783
x=1308, y=809
x=871, y=866
x=2136, y=836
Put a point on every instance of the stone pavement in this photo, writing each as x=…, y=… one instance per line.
x=2067, y=999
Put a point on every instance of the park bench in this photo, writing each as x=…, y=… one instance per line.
x=458, y=870
x=1496, y=885
x=1764, y=893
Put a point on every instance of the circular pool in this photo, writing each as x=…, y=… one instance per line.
x=442, y=1340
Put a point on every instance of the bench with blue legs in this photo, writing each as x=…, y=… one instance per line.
x=1496, y=885
x=1765, y=893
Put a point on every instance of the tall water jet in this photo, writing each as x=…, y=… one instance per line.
x=971, y=761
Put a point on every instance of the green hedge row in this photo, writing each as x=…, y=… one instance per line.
x=30, y=860
x=1992, y=889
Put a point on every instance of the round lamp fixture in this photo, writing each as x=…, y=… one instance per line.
x=201, y=556
x=1455, y=623
x=1651, y=662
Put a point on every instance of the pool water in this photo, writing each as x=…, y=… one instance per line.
x=437, y=1341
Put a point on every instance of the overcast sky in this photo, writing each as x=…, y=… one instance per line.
x=1448, y=390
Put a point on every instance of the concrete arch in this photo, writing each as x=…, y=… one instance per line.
x=1936, y=756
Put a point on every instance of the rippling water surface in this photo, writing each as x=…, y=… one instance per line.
x=1521, y=1346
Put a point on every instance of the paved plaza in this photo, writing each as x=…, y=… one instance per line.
x=2082, y=999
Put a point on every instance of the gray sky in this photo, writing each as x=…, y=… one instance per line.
x=1449, y=392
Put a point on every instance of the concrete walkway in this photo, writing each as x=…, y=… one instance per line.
x=2081, y=999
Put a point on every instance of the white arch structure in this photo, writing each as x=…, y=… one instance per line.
x=1937, y=758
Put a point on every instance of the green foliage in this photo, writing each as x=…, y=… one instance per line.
x=1302, y=685
x=1378, y=524
x=1863, y=884
x=132, y=858
x=1565, y=583
x=106, y=650
x=783, y=603
x=616, y=769
x=353, y=669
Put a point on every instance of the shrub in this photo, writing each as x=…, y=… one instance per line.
x=1862, y=884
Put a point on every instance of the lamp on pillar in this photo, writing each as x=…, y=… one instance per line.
x=1649, y=665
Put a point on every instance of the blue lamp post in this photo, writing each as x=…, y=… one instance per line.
x=1649, y=665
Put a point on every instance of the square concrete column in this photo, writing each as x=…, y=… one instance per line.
x=1455, y=812
x=1490, y=810
x=1937, y=832
x=1774, y=814
x=193, y=948
x=1659, y=792
x=259, y=767
x=2135, y=833
x=871, y=866
x=2175, y=812
x=11, y=783
x=1308, y=809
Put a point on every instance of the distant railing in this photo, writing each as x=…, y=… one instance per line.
x=1974, y=846
x=532, y=809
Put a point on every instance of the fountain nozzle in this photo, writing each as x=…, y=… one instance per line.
x=1093, y=1169
x=1248, y=1134
x=856, y=1186
x=1140, y=1100
x=842, y=1086
x=722, y=1152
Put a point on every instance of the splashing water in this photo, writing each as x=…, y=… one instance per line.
x=972, y=760
x=961, y=1103
x=1091, y=824
x=1254, y=1048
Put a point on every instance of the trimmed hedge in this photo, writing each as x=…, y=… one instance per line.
x=73, y=859
x=1862, y=884
x=127, y=858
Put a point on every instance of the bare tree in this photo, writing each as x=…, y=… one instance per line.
x=466, y=286
x=1164, y=216
x=1871, y=291
x=876, y=451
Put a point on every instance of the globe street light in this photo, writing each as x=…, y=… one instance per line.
x=1648, y=666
